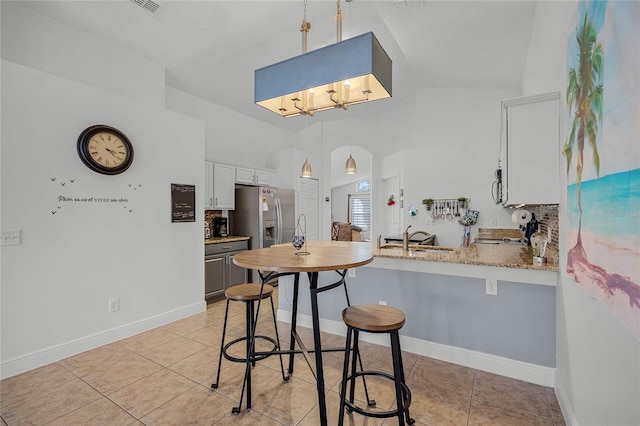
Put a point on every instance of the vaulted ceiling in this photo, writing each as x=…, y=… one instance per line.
x=211, y=48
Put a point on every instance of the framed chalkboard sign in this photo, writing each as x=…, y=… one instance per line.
x=183, y=203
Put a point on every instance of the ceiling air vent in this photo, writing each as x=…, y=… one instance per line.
x=148, y=5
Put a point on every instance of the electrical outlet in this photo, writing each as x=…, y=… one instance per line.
x=351, y=272
x=494, y=222
x=382, y=302
x=114, y=305
x=492, y=287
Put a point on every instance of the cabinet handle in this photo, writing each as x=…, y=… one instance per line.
x=227, y=247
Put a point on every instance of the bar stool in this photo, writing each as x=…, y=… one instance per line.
x=374, y=319
x=248, y=294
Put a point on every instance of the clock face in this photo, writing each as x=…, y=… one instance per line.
x=105, y=150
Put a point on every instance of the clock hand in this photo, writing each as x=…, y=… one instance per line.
x=113, y=152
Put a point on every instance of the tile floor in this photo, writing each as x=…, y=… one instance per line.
x=163, y=377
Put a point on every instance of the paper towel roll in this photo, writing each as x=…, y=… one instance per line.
x=521, y=216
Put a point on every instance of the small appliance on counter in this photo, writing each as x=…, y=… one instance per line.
x=539, y=246
x=220, y=227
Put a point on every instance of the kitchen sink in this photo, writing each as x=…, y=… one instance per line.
x=420, y=248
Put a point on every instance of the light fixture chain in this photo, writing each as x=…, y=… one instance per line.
x=304, y=28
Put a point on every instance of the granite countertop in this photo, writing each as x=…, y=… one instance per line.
x=502, y=255
x=229, y=239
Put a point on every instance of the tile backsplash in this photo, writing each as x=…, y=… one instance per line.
x=208, y=220
x=547, y=217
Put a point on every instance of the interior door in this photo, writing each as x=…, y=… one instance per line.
x=308, y=205
x=392, y=213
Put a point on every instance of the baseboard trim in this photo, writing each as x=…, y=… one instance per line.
x=56, y=353
x=532, y=373
x=565, y=406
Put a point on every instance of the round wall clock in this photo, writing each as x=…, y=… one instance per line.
x=105, y=149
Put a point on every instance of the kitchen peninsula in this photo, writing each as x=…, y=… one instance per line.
x=449, y=315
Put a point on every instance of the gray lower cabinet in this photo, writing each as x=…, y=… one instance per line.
x=220, y=272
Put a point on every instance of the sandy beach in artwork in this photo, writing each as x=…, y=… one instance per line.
x=614, y=260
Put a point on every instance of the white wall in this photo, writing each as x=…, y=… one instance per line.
x=76, y=255
x=598, y=360
x=42, y=43
x=229, y=134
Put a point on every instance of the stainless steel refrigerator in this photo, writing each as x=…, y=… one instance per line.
x=265, y=214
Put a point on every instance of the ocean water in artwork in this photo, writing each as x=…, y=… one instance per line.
x=610, y=232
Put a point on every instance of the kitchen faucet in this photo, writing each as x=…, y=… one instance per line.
x=406, y=237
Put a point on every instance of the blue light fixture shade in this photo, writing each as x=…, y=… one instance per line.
x=336, y=76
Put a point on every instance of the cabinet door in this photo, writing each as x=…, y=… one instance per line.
x=264, y=178
x=236, y=274
x=224, y=186
x=208, y=186
x=244, y=175
x=214, y=275
x=533, y=150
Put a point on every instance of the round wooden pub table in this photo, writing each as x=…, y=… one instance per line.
x=280, y=260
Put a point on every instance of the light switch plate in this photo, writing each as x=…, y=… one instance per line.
x=11, y=237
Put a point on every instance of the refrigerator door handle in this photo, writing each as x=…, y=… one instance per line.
x=279, y=221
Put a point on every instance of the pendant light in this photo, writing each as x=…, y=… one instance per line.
x=306, y=169
x=350, y=165
x=333, y=77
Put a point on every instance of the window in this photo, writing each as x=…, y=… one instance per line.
x=360, y=210
x=363, y=186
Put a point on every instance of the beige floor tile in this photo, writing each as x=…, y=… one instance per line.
x=434, y=405
x=189, y=324
x=98, y=413
x=209, y=335
x=484, y=413
x=556, y=412
x=147, y=394
x=200, y=367
x=197, y=406
x=232, y=377
x=444, y=374
x=333, y=406
x=32, y=383
x=381, y=390
x=512, y=393
x=54, y=402
x=247, y=418
x=122, y=373
x=148, y=339
x=173, y=351
x=286, y=402
x=95, y=359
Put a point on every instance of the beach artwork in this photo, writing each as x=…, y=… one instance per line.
x=602, y=156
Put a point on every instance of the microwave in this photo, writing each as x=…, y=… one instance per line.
x=220, y=226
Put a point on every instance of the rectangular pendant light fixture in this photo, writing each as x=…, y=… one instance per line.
x=352, y=71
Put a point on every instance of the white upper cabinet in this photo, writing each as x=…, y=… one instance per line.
x=224, y=193
x=254, y=177
x=531, y=150
x=208, y=185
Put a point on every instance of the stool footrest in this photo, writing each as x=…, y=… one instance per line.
x=406, y=397
x=261, y=356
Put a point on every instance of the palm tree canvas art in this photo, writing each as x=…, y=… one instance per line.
x=602, y=156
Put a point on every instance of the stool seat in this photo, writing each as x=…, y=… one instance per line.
x=373, y=318
x=247, y=292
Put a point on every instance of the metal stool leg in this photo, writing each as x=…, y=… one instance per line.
x=398, y=373
x=345, y=374
x=224, y=331
x=285, y=377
